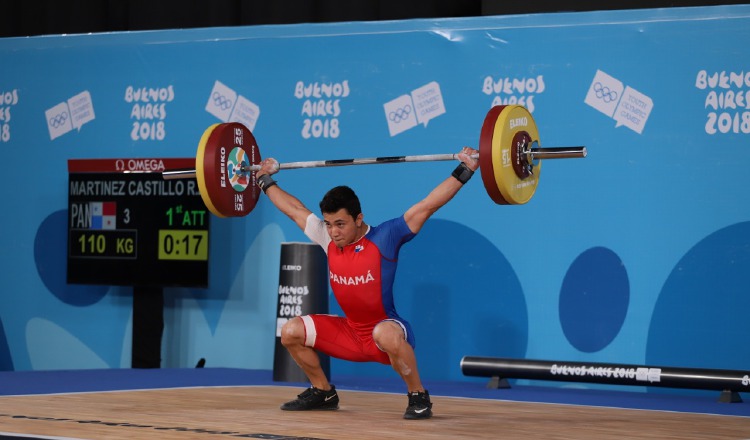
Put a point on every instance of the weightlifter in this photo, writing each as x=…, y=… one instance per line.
x=362, y=263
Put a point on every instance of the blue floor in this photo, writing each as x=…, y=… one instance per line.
x=73, y=381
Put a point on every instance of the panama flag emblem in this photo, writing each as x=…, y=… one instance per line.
x=103, y=215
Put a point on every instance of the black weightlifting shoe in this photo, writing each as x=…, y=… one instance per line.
x=314, y=399
x=419, y=407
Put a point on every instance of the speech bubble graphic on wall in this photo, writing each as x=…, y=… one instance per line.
x=626, y=105
x=228, y=106
x=400, y=115
x=419, y=107
x=633, y=110
x=58, y=120
x=65, y=116
x=81, y=109
x=604, y=93
x=245, y=112
x=428, y=101
x=221, y=101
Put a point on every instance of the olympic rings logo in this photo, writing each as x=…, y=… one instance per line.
x=400, y=114
x=221, y=101
x=58, y=120
x=604, y=93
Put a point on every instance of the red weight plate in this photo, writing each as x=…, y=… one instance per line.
x=226, y=190
x=485, y=155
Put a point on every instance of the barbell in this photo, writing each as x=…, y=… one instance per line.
x=509, y=161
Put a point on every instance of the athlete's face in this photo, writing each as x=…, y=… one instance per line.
x=342, y=227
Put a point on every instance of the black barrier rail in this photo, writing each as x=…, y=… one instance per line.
x=730, y=382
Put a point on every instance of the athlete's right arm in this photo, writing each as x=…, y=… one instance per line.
x=285, y=202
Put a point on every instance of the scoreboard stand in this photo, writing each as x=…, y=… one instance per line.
x=148, y=326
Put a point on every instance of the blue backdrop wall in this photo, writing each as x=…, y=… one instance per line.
x=639, y=253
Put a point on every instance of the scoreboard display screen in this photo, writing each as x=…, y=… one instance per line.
x=128, y=226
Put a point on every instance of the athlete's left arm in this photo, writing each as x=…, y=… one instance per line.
x=418, y=214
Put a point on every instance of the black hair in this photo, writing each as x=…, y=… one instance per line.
x=338, y=198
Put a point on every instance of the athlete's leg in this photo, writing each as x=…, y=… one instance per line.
x=293, y=339
x=390, y=337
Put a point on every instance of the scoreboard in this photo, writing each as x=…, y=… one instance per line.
x=128, y=226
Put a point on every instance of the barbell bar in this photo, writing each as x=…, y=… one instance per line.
x=509, y=158
x=533, y=154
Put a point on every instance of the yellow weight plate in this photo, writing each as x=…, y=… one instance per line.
x=200, y=175
x=513, y=125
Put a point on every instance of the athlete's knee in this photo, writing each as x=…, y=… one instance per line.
x=293, y=332
x=388, y=336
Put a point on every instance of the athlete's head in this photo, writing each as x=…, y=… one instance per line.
x=341, y=197
x=342, y=214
